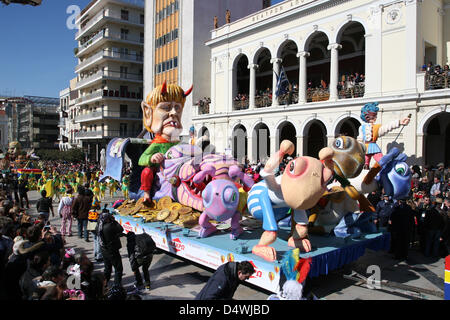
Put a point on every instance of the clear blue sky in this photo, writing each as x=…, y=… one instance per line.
x=36, y=55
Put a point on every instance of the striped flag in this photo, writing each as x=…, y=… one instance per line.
x=447, y=278
x=282, y=83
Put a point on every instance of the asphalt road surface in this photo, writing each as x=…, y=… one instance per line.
x=175, y=279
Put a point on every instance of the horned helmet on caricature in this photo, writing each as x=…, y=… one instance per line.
x=162, y=111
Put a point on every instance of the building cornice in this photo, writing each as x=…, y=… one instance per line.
x=301, y=11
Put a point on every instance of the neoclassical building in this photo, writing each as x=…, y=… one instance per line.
x=337, y=55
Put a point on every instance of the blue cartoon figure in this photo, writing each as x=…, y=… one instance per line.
x=394, y=178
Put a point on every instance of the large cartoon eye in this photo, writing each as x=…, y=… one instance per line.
x=401, y=169
x=339, y=143
x=229, y=195
x=292, y=167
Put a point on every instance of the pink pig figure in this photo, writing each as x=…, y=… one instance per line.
x=221, y=199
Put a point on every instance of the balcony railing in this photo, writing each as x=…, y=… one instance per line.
x=90, y=23
x=124, y=37
x=240, y=104
x=262, y=101
x=96, y=94
x=317, y=95
x=89, y=134
x=102, y=14
x=106, y=134
x=109, y=36
x=114, y=75
x=105, y=114
x=106, y=53
x=437, y=81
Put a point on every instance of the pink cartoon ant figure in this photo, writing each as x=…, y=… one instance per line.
x=221, y=199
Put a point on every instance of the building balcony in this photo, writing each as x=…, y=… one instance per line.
x=104, y=115
x=45, y=131
x=437, y=81
x=105, y=134
x=109, y=95
x=108, y=75
x=102, y=17
x=107, y=54
x=99, y=39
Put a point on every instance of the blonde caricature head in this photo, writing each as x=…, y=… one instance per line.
x=162, y=93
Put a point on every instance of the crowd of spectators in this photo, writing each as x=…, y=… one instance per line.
x=422, y=220
x=350, y=86
x=203, y=105
x=436, y=77
x=36, y=262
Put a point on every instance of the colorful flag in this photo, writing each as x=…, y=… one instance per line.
x=282, y=83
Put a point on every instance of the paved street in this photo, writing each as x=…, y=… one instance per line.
x=173, y=278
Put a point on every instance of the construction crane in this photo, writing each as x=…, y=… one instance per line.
x=30, y=2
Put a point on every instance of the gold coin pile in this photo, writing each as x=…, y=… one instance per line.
x=162, y=210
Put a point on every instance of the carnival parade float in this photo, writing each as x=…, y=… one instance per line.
x=206, y=209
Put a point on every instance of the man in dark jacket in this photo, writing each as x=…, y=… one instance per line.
x=23, y=192
x=80, y=210
x=44, y=205
x=434, y=224
x=224, y=282
x=110, y=232
x=140, y=253
x=402, y=223
x=383, y=211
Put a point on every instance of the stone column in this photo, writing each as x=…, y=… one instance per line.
x=213, y=85
x=250, y=152
x=420, y=152
x=252, y=86
x=334, y=70
x=276, y=72
x=273, y=145
x=302, y=78
x=300, y=151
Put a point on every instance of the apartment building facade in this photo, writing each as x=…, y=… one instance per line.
x=109, y=73
x=33, y=121
x=67, y=126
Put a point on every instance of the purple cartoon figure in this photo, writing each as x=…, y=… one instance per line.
x=221, y=199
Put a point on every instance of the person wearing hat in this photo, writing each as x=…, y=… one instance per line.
x=426, y=172
x=383, y=211
x=17, y=265
x=440, y=171
x=65, y=212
